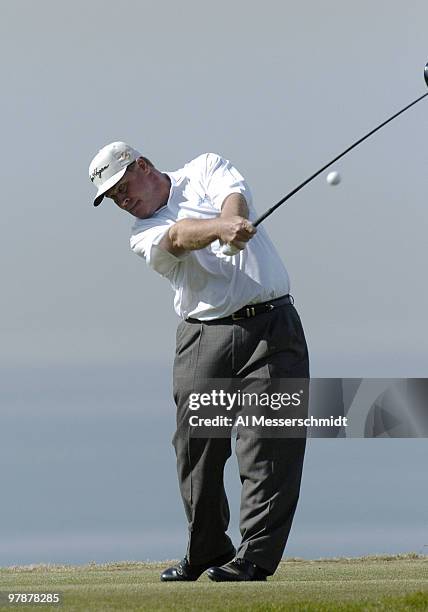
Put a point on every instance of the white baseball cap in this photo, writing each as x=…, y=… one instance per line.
x=109, y=165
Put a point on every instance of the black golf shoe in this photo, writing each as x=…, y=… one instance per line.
x=185, y=571
x=238, y=570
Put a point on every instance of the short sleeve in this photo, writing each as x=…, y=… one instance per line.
x=145, y=243
x=222, y=179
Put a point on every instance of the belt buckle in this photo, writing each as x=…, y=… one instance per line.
x=250, y=311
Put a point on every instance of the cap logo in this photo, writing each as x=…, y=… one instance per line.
x=124, y=156
x=98, y=172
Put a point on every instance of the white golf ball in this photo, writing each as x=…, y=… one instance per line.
x=333, y=178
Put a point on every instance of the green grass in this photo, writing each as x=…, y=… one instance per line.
x=397, y=583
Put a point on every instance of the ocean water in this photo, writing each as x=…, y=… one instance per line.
x=88, y=474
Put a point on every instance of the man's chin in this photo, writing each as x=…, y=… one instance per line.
x=138, y=211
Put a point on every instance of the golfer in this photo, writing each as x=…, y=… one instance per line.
x=237, y=321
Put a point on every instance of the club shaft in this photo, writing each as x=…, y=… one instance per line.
x=308, y=180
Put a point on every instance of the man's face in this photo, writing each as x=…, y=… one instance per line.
x=138, y=191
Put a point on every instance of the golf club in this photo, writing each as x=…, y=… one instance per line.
x=228, y=249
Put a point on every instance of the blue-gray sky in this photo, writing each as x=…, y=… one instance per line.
x=277, y=87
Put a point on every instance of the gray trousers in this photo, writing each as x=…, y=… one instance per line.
x=270, y=345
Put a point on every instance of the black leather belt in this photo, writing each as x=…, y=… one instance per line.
x=252, y=310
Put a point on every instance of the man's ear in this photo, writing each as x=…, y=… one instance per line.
x=143, y=165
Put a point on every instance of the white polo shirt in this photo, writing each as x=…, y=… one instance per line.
x=209, y=285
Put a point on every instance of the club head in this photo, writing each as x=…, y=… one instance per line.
x=426, y=73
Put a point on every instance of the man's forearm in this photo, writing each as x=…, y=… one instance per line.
x=193, y=234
